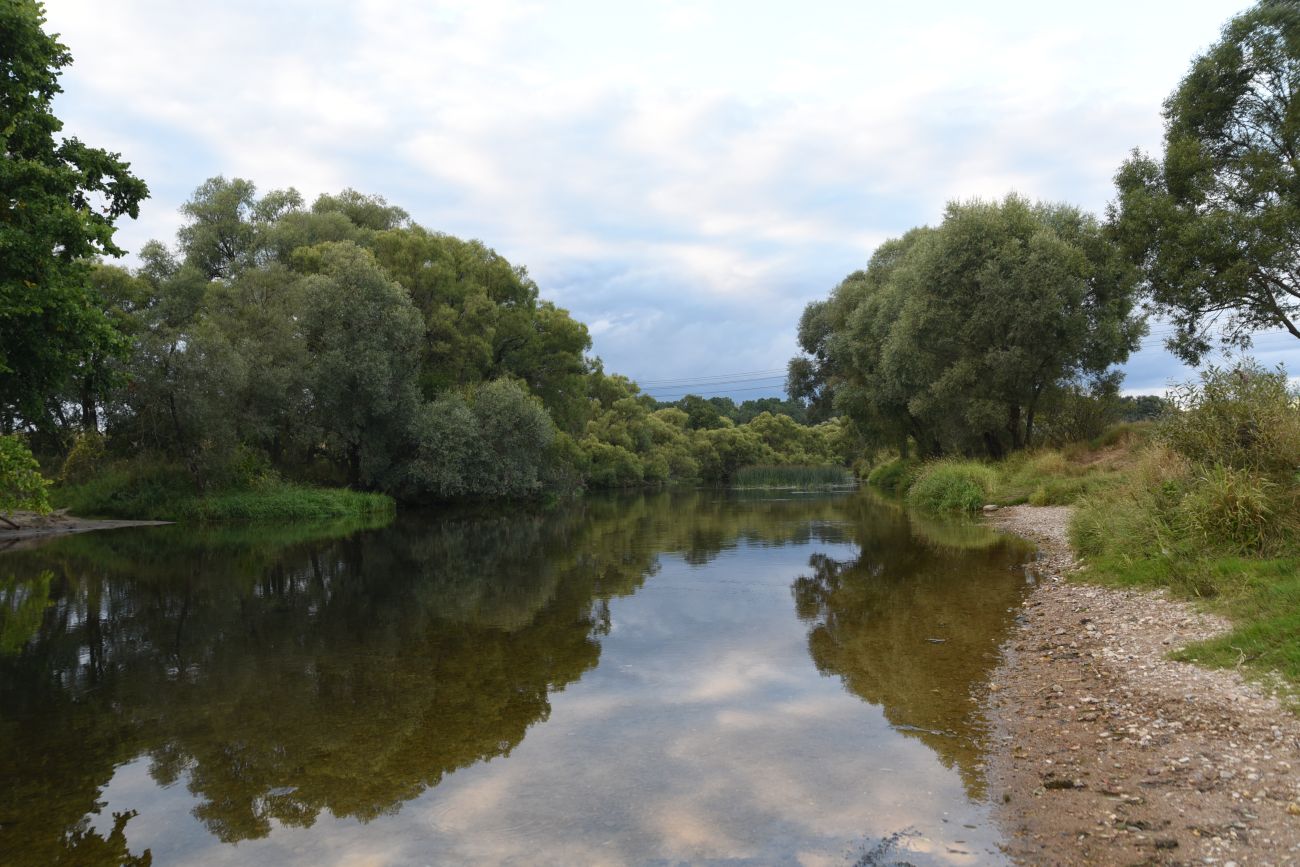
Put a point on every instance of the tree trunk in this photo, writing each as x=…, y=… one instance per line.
x=89, y=409
x=993, y=445
x=354, y=465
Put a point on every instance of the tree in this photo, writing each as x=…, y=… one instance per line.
x=362, y=334
x=60, y=203
x=952, y=336
x=1215, y=224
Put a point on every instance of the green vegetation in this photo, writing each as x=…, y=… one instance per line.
x=166, y=493
x=21, y=484
x=791, y=477
x=61, y=201
x=976, y=336
x=952, y=486
x=1213, y=224
x=1043, y=477
x=1211, y=509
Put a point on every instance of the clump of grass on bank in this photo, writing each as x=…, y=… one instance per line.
x=159, y=491
x=791, y=477
x=952, y=486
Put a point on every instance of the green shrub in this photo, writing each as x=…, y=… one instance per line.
x=21, y=484
x=894, y=477
x=953, y=486
x=1245, y=417
x=84, y=459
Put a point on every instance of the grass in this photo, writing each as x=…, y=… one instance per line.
x=145, y=491
x=952, y=485
x=791, y=477
x=1228, y=538
x=1046, y=477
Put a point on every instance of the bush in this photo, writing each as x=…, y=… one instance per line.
x=1245, y=417
x=953, y=486
x=895, y=476
x=21, y=484
x=83, y=460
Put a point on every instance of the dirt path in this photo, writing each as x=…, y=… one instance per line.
x=1106, y=752
x=32, y=526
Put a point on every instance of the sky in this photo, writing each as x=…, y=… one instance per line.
x=682, y=176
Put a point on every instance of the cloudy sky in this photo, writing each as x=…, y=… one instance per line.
x=683, y=177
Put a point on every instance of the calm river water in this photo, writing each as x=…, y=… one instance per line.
x=696, y=677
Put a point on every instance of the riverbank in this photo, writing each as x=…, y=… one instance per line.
x=31, y=525
x=1107, y=752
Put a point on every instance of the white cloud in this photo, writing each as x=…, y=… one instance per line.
x=739, y=158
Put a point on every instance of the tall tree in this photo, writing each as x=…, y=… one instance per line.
x=1216, y=223
x=59, y=201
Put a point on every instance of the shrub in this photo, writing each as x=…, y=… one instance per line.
x=83, y=460
x=953, y=486
x=895, y=476
x=1245, y=417
x=21, y=484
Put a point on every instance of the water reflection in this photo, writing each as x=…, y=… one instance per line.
x=282, y=680
x=914, y=627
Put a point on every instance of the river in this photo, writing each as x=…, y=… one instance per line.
x=698, y=677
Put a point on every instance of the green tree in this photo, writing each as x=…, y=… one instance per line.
x=1215, y=224
x=61, y=201
x=361, y=332
x=953, y=336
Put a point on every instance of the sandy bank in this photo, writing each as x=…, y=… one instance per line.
x=1106, y=752
x=32, y=526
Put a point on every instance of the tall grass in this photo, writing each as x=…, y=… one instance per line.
x=143, y=490
x=791, y=477
x=953, y=485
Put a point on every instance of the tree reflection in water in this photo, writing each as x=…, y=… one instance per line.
x=279, y=674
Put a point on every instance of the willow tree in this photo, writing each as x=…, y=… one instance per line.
x=952, y=336
x=1215, y=223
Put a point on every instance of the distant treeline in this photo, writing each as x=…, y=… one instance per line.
x=341, y=343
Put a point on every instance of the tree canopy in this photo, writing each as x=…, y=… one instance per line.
x=61, y=199
x=952, y=336
x=1215, y=222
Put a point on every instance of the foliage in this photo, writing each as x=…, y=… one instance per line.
x=84, y=459
x=1244, y=417
x=1211, y=509
x=146, y=489
x=1213, y=223
x=952, y=486
x=894, y=477
x=21, y=484
x=955, y=338
x=62, y=199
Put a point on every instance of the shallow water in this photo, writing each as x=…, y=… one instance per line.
x=698, y=677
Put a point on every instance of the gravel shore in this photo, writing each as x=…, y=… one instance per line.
x=1107, y=752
